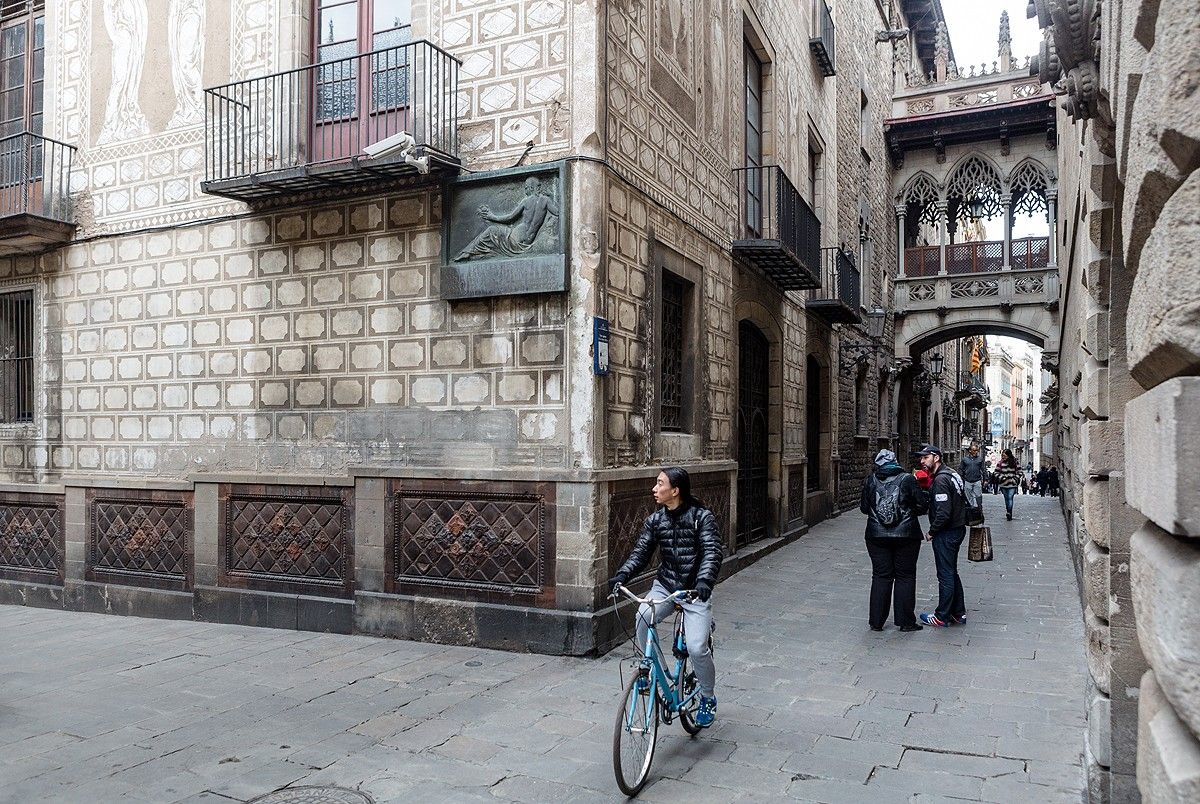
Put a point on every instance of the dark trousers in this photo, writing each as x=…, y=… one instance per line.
x=945, y=557
x=893, y=576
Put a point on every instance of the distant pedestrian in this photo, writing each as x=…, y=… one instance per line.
x=1008, y=477
x=1052, y=480
x=1024, y=482
x=1039, y=482
x=973, y=471
x=947, y=529
x=893, y=501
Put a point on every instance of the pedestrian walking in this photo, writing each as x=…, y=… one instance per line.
x=688, y=541
x=1052, y=480
x=893, y=503
x=1039, y=482
x=1008, y=477
x=1024, y=482
x=973, y=472
x=947, y=529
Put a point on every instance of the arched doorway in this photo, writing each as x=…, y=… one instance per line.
x=754, y=391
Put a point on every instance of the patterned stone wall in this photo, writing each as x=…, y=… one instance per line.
x=635, y=225
x=308, y=340
x=515, y=76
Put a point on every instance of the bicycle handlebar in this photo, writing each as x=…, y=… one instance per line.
x=682, y=595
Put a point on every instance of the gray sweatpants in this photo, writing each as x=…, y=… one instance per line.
x=974, y=493
x=697, y=625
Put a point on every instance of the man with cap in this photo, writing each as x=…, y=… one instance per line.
x=893, y=503
x=947, y=529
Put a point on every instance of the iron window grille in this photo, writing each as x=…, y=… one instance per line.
x=16, y=357
x=674, y=291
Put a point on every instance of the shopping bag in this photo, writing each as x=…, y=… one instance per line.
x=980, y=546
x=975, y=515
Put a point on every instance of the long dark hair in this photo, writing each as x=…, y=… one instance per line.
x=679, y=478
x=1009, y=457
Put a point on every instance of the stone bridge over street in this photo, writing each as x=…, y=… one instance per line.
x=813, y=705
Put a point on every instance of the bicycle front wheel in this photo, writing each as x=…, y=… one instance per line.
x=634, y=735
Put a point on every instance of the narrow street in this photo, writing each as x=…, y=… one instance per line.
x=813, y=705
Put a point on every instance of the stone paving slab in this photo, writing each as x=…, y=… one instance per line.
x=813, y=705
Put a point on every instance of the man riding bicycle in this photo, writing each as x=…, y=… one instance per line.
x=690, y=552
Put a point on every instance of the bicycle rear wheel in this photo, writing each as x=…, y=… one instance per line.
x=687, y=686
x=634, y=735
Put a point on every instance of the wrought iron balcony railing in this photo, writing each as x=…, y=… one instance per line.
x=780, y=234
x=982, y=257
x=838, y=300
x=35, y=199
x=822, y=40
x=308, y=128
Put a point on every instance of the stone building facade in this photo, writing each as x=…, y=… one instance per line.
x=256, y=390
x=1126, y=378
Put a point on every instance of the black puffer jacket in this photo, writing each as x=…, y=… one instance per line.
x=913, y=503
x=689, y=548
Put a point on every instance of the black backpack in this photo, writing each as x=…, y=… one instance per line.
x=887, y=509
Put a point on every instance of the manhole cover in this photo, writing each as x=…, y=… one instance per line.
x=314, y=795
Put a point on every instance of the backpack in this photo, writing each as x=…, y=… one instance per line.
x=887, y=508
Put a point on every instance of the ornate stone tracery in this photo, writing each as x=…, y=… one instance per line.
x=975, y=182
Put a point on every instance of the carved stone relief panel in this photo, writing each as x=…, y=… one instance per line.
x=505, y=233
x=140, y=538
x=490, y=541
x=31, y=537
x=295, y=539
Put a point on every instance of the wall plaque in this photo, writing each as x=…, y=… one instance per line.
x=505, y=233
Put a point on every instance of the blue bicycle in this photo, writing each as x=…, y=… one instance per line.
x=653, y=694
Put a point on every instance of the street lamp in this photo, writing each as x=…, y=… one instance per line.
x=935, y=366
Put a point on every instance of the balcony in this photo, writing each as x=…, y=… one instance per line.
x=35, y=202
x=353, y=122
x=837, y=301
x=1028, y=253
x=972, y=391
x=781, y=236
x=822, y=43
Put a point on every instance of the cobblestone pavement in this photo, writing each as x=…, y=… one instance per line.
x=813, y=705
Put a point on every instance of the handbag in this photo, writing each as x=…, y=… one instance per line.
x=979, y=548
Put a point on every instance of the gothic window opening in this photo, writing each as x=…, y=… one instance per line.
x=1028, y=187
x=753, y=88
x=972, y=195
x=16, y=357
x=674, y=300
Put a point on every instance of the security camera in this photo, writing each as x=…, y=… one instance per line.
x=402, y=142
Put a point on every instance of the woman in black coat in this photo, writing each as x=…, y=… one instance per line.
x=893, y=501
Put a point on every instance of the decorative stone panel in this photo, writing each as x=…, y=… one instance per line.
x=292, y=539
x=796, y=492
x=31, y=537
x=140, y=538
x=476, y=540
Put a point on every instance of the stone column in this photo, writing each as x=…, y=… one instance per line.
x=1052, y=216
x=901, y=212
x=1006, y=201
x=941, y=210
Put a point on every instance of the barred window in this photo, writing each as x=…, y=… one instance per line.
x=16, y=357
x=673, y=298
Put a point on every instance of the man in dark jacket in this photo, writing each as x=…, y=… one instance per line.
x=947, y=529
x=893, y=503
x=689, y=545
